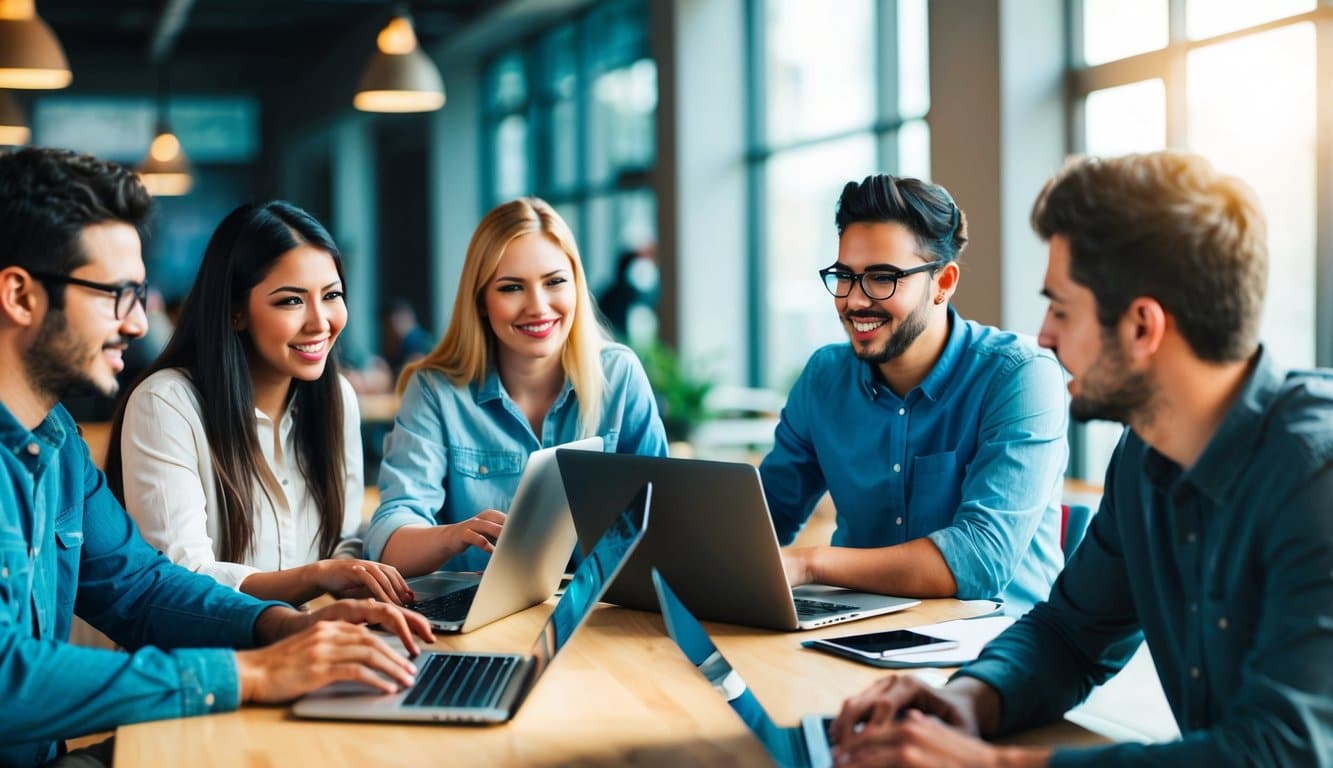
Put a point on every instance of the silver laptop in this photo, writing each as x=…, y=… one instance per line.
x=464, y=687
x=806, y=745
x=713, y=539
x=528, y=560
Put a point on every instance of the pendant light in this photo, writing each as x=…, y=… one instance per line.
x=165, y=171
x=400, y=76
x=13, y=126
x=30, y=54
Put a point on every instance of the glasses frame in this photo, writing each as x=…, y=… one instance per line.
x=859, y=277
x=139, y=291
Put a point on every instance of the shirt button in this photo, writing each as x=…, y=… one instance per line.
x=208, y=700
x=1194, y=607
x=902, y=411
x=1222, y=623
x=1194, y=673
x=899, y=521
x=897, y=468
x=4, y=572
x=284, y=481
x=482, y=469
x=34, y=449
x=1191, y=537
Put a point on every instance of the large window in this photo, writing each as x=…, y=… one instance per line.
x=569, y=117
x=835, y=97
x=1234, y=80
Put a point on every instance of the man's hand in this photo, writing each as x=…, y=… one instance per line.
x=359, y=578
x=966, y=704
x=328, y=652
x=278, y=623
x=798, y=563
x=918, y=740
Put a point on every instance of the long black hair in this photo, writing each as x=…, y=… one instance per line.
x=206, y=345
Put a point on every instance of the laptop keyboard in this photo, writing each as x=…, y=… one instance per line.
x=809, y=609
x=452, y=606
x=448, y=680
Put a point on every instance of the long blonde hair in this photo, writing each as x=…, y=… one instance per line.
x=464, y=354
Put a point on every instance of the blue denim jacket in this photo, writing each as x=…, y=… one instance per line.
x=67, y=546
x=1226, y=567
x=973, y=458
x=456, y=450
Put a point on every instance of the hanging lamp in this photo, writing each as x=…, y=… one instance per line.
x=400, y=76
x=165, y=171
x=30, y=54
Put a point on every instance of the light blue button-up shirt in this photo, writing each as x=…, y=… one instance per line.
x=456, y=450
x=67, y=546
x=972, y=458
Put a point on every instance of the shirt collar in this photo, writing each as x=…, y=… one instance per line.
x=934, y=383
x=1231, y=448
x=16, y=437
x=491, y=388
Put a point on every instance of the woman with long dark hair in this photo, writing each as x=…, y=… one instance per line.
x=238, y=453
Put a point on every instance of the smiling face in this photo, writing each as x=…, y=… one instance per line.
x=294, y=315
x=881, y=330
x=77, y=349
x=1102, y=384
x=530, y=302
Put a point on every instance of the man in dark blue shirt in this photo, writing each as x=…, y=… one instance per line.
x=1214, y=535
x=71, y=298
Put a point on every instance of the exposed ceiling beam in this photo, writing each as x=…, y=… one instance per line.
x=169, y=25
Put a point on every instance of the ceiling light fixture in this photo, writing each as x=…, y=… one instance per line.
x=400, y=76
x=13, y=125
x=30, y=54
x=165, y=171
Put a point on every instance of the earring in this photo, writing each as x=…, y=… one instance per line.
x=939, y=298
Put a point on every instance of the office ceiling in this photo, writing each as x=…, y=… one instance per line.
x=214, y=28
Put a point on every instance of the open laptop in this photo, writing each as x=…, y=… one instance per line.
x=529, y=558
x=802, y=746
x=713, y=539
x=468, y=687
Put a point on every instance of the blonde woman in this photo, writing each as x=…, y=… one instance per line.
x=523, y=365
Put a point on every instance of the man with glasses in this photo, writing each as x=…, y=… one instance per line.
x=1214, y=536
x=71, y=298
x=941, y=441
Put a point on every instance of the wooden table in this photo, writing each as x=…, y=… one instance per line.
x=619, y=693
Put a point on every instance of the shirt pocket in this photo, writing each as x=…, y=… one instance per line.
x=69, y=552
x=935, y=492
x=480, y=479
x=479, y=464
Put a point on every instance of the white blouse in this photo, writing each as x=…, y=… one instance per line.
x=171, y=491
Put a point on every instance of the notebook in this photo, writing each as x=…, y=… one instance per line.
x=529, y=558
x=804, y=745
x=713, y=539
x=469, y=687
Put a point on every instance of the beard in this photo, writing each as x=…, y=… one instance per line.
x=902, y=337
x=1108, y=391
x=56, y=364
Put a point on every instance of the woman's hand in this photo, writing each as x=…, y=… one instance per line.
x=345, y=577
x=480, y=531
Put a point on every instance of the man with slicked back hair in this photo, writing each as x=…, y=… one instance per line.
x=941, y=440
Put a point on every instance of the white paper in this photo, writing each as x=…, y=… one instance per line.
x=971, y=634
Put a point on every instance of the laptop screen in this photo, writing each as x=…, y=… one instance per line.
x=689, y=634
x=591, y=579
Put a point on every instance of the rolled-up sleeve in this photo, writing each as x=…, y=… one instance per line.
x=412, y=473
x=1013, y=481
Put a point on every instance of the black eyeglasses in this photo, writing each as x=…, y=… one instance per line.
x=126, y=294
x=877, y=284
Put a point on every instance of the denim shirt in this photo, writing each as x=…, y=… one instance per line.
x=972, y=458
x=456, y=450
x=66, y=547
x=1227, y=567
